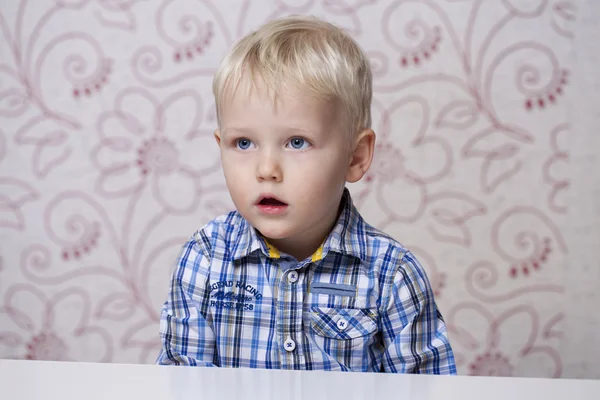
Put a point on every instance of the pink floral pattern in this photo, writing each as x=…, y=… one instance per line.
x=108, y=164
x=56, y=328
x=153, y=149
x=491, y=364
x=514, y=342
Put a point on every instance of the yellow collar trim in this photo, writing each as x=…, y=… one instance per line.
x=273, y=252
x=317, y=255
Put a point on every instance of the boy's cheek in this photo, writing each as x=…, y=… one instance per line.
x=232, y=159
x=321, y=165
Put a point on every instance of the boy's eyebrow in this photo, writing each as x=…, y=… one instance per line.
x=243, y=131
x=285, y=129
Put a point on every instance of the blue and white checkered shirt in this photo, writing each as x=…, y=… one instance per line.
x=362, y=302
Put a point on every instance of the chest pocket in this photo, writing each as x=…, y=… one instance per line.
x=343, y=323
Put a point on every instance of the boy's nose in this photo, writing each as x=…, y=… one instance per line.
x=269, y=169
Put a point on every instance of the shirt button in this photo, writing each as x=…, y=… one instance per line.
x=289, y=344
x=293, y=277
x=342, y=324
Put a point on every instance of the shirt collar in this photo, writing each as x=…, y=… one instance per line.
x=249, y=235
x=347, y=236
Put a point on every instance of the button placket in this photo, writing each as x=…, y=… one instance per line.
x=290, y=326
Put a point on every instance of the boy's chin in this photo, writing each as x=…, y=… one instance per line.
x=271, y=231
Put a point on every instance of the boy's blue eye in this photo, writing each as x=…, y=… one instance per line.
x=299, y=144
x=243, y=144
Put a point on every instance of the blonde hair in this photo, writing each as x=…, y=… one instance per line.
x=302, y=53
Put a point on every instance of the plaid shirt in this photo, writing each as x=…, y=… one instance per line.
x=362, y=302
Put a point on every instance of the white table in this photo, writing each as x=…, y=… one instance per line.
x=62, y=380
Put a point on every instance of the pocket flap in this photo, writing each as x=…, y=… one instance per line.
x=343, y=323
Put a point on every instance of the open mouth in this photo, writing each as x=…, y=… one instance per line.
x=271, y=201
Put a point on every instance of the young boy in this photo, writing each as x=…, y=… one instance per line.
x=295, y=278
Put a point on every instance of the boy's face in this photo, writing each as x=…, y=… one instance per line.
x=285, y=166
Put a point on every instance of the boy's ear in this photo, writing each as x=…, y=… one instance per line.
x=218, y=137
x=362, y=156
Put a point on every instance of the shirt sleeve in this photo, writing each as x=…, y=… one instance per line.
x=414, y=332
x=186, y=337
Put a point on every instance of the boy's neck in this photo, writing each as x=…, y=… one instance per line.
x=305, y=244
